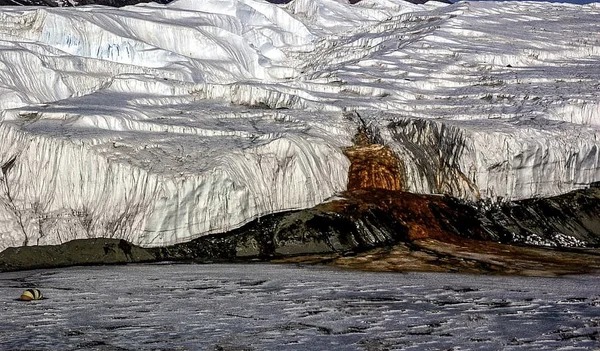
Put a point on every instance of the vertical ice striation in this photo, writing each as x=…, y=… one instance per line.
x=286, y=173
x=515, y=160
x=55, y=189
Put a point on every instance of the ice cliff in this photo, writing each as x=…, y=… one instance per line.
x=162, y=123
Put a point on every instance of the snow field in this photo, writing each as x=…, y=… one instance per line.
x=265, y=307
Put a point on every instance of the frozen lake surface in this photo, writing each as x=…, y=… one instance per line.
x=274, y=307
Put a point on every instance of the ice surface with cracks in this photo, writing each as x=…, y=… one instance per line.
x=162, y=123
x=265, y=307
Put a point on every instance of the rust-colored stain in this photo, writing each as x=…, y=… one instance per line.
x=442, y=234
x=376, y=178
x=473, y=257
x=373, y=166
x=445, y=237
x=425, y=216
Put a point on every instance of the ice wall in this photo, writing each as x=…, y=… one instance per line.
x=502, y=160
x=162, y=123
x=157, y=187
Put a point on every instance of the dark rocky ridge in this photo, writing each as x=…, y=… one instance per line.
x=77, y=252
x=379, y=230
x=550, y=221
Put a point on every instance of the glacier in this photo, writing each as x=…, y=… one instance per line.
x=159, y=124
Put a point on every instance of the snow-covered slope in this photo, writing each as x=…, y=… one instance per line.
x=162, y=123
x=68, y=3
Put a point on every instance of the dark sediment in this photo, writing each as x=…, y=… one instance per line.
x=76, y=252
x=571, y=219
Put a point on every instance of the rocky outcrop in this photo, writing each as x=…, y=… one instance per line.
x=569, y=220
x=378, y=230
x=76, y=252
